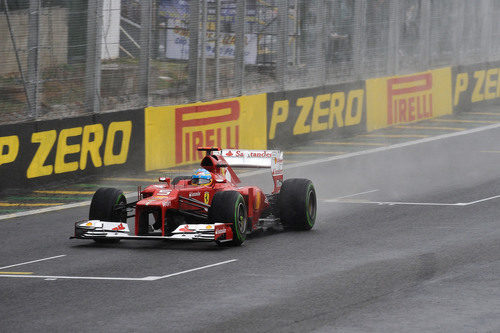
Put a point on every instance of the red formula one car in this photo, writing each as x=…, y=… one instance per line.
x=208, y=206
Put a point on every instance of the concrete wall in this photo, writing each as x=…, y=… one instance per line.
x=54, y=32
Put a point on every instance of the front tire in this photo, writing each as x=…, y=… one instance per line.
x=108, y=204
x=297, y=204
x=230, y=207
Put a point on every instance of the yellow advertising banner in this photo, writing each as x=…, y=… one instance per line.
x=173, y=133
x=408, y=98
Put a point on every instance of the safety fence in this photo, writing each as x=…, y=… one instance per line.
x=67, y=58
x=137, y=140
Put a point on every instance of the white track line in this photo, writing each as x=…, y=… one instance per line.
x=154, y=278
x=55, y=208
x=289, y=166
x=396, y=146
x=392, y=203
x=482, y=200
x=355, y=194
x=377, y=150
x=57, y=277
x=33, y=261
x=110, y=278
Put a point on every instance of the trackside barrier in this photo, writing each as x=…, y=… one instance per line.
x=477, y=84
x=58, y=151
x=301, y=115
x=297, y=116
x=408, y=98
x=37, y=153
x=173, y=133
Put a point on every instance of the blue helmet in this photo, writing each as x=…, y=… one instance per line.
x=201, y=177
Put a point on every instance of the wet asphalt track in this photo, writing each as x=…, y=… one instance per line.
x=402, y=243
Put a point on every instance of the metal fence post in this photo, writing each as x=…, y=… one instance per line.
x=458, y=32
x=34, y=65
x=359, y=39
x=239, y=47
x=393, y=44
x=425, y=34
x=194, y=27
x=155, y=31
x=93, y=61
x=203, y=55
x=217, y=46
x=281, y=59
x=319, y=62
x=322, y=31
x=145, y=52
x=486, y=31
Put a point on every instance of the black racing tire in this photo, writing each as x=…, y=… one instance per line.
x=230, y=207
x=297, y=204
x=179, y=178
x=104, y=207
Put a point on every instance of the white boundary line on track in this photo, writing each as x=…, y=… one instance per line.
x=154, y=278
x=396, y=146
x=355, y=194
x=290, y=166
x=393, y=203
x=109, y=278
x=33, y=261
x=379, y=149
x=55, y=208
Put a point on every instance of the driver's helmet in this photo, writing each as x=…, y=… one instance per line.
x=201, y=177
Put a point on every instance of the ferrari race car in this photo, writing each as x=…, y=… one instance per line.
x=208, y=206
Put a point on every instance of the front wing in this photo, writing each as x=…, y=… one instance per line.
x=99, y=230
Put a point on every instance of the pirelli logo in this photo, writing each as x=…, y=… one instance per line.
x=215, y=124
x=409, y=98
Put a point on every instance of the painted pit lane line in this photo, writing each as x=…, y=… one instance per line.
x=289, y=166
x=110, y=278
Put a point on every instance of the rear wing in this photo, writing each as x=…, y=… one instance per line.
x=243, y=158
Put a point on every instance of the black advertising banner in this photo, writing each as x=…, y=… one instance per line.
x=61, y=150
x=475, y=84
x=325, y=112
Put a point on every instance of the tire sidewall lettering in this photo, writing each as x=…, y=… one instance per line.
x=310, y=189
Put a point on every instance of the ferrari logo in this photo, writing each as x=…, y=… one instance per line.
x=206, y=197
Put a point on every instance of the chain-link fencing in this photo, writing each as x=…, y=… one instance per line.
x=72, y=57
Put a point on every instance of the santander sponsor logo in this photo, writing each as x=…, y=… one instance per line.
x=239, y=153
x=220, y=231
x=262, y=154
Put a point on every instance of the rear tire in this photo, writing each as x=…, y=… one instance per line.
x=105, y=206
x=297, y=204
x=230, y=207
